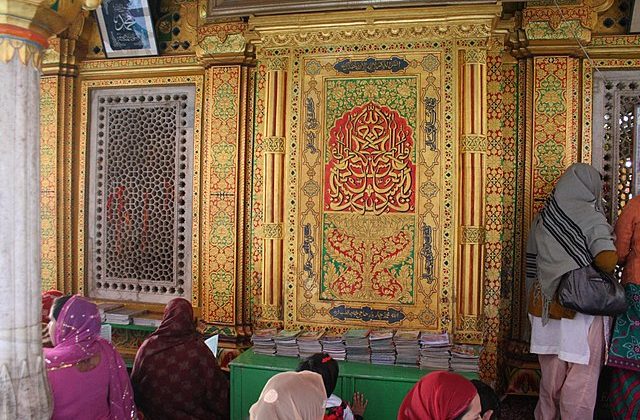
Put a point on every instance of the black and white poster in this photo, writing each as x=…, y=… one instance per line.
x=126, y=28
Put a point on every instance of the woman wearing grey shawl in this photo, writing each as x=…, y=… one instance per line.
x=570, y=232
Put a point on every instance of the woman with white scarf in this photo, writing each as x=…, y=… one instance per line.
x=291, y=396
x=570, y=232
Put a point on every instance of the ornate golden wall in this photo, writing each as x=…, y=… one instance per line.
x=372, y=168
x=389, y=200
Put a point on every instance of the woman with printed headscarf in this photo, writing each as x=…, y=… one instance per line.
x=88, y=377
x=571, y=232
x=291, y=396
x=624, y=353
x=441, y=396
x=175, y=375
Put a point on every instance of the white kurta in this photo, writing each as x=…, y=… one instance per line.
x=566, y=338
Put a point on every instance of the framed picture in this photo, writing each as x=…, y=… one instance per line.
x=126, y=28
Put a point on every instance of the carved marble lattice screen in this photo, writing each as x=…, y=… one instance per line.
x=140, y=193
x=616, y=95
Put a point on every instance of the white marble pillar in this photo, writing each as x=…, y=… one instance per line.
x=23, y=386
x=25, y=27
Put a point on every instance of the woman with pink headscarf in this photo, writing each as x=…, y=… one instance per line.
x=87, y=375
x=441, y=396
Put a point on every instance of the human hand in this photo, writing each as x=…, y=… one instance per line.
x=606, y=261
x=359, y=404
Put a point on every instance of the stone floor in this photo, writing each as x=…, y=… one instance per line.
x=515, y=407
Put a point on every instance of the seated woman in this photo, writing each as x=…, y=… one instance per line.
x=48, y=298
x=291, y=396
x=175, y=375
x=88, y=377
x=336, y=409
x=489, y=400
x=441, y=396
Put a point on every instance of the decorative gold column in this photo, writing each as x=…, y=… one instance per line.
x=274, y=148
x=25, y=27
x=225, y=184
x=57, y=90
x=226, y=172
x=472, y=174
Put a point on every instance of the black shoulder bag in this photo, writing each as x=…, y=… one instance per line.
x=591, y=291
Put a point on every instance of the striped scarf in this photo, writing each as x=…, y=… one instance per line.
x=569, y=231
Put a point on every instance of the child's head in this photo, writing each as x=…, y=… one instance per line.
x=326, y=366
x=488, y=399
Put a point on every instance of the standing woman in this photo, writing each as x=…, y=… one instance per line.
x=88, y=377
x=624, y=354
x=175, y=375
x=570, y=232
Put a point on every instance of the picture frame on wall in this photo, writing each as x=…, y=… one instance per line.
x=126, y=28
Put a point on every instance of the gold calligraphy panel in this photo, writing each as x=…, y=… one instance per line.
x=368, y=183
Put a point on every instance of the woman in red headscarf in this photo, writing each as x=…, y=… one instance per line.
x=441, y=396
x=47, y=302
x=175, y=375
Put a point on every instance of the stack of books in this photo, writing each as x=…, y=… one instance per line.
x=465, y=358
x=357, y=343
x=286, y=343
x=148, y=319
x=383, y=352
x=121, y=316
x=263, y=341
x=104, y=307
x=334, y=346
x=309, y=343
x=407, y=347
x=435, y=351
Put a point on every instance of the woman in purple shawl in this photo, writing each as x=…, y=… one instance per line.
x=87, y=375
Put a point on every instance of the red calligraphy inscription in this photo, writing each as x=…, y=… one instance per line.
x=370, y=167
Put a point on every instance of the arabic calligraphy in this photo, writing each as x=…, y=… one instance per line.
x=311, y=125
x=430, y=127
x=312, y=121
x=123, y=23
x=370, y=166
x=126, y=25
x=371, y=65
x=427, y=253
x=307, y=248
x=367, y=314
